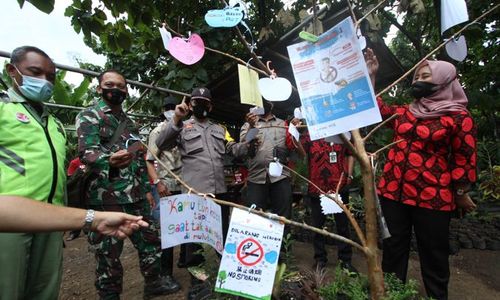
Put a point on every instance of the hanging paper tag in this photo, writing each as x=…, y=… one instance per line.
x=293, y=131
x=308, y=37
x=297, y=113
x=249, y=91
x=166, y=37
x=188, y=51
x=457, y=48
x=453, y=12
x=275, y=89
x=227, y=17
x=329, y=206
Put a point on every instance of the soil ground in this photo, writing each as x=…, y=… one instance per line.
x=474, y=273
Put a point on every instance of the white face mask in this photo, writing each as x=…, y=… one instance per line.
x=169, y=114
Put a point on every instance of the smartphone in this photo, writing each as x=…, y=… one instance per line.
x=259, y=111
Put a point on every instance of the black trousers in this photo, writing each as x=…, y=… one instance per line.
x=344, y=251
x=431, y=229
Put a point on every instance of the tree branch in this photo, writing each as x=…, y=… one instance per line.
x=258, y=212
x=437, y=48
x=378, y=126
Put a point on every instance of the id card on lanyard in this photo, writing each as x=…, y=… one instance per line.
x=333, y=157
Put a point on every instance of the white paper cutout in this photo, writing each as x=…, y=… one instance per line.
x=457, y=48
x=297, y=113
x=166, y=37
x=275, y=89
x=293, y=131
x=227, y=17
x=336, y=139
x=361, y=39
x=453, y=12
x=329, y=206
x=275, y=169
x=188, y=51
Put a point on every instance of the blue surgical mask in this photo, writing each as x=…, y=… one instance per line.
x=35, y=89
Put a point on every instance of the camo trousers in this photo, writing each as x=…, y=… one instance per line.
x=109, y=270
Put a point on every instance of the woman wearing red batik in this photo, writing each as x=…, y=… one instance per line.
x=427, y=175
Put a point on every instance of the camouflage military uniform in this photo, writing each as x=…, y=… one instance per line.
x=116, y=190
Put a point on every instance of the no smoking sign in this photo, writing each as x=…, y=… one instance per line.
x=250, y=252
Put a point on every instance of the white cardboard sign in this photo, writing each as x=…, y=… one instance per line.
x=189, y=218
x=250, y=256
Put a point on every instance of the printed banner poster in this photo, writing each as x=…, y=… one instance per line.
x=333, y=82
x=188, y=218
x=250, y=256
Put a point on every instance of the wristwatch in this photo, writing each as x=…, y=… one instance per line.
x=89, y=218
x=156, y=181
x=350, y=177
x=460, y=192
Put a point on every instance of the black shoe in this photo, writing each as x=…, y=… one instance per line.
x=73, y=235
x=319, y=264
x=347, y=265
x=109, y=297
x=201, y=291
x=157, y=287
x=173, y=285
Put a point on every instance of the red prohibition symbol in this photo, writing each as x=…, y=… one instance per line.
x=250, y=252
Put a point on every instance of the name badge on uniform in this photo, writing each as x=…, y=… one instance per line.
x=333, y=157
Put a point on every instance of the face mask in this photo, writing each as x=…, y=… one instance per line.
x=169, y=114
x=421, y=89
x=114, y=96
x=200, y=111
x=35, y=89
x=267, y=107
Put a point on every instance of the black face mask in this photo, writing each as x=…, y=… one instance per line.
x=268, y=107
x=200, y=111
x=114, y=96
x=421, y=89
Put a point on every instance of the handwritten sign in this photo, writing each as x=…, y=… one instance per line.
x=190, y=219
x=333, y=82
x=250, y=256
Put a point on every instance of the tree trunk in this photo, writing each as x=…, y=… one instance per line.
x=375, y=275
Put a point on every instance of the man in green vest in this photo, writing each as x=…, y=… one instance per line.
x=32, y=154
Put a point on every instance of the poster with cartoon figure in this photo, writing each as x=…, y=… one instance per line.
x=250, y=256
x=333, y=82
x=189, y=218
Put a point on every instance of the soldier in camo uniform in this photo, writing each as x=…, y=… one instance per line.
x=119, y=183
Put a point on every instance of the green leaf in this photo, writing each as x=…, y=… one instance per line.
x=185, y=73
x=47, y=6
x=124, y=40
x=202, y=74
x=61, y=95
x=78, y=94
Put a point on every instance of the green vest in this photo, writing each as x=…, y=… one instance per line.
x=31, y=156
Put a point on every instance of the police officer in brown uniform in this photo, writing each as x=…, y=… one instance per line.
x=202, y=145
